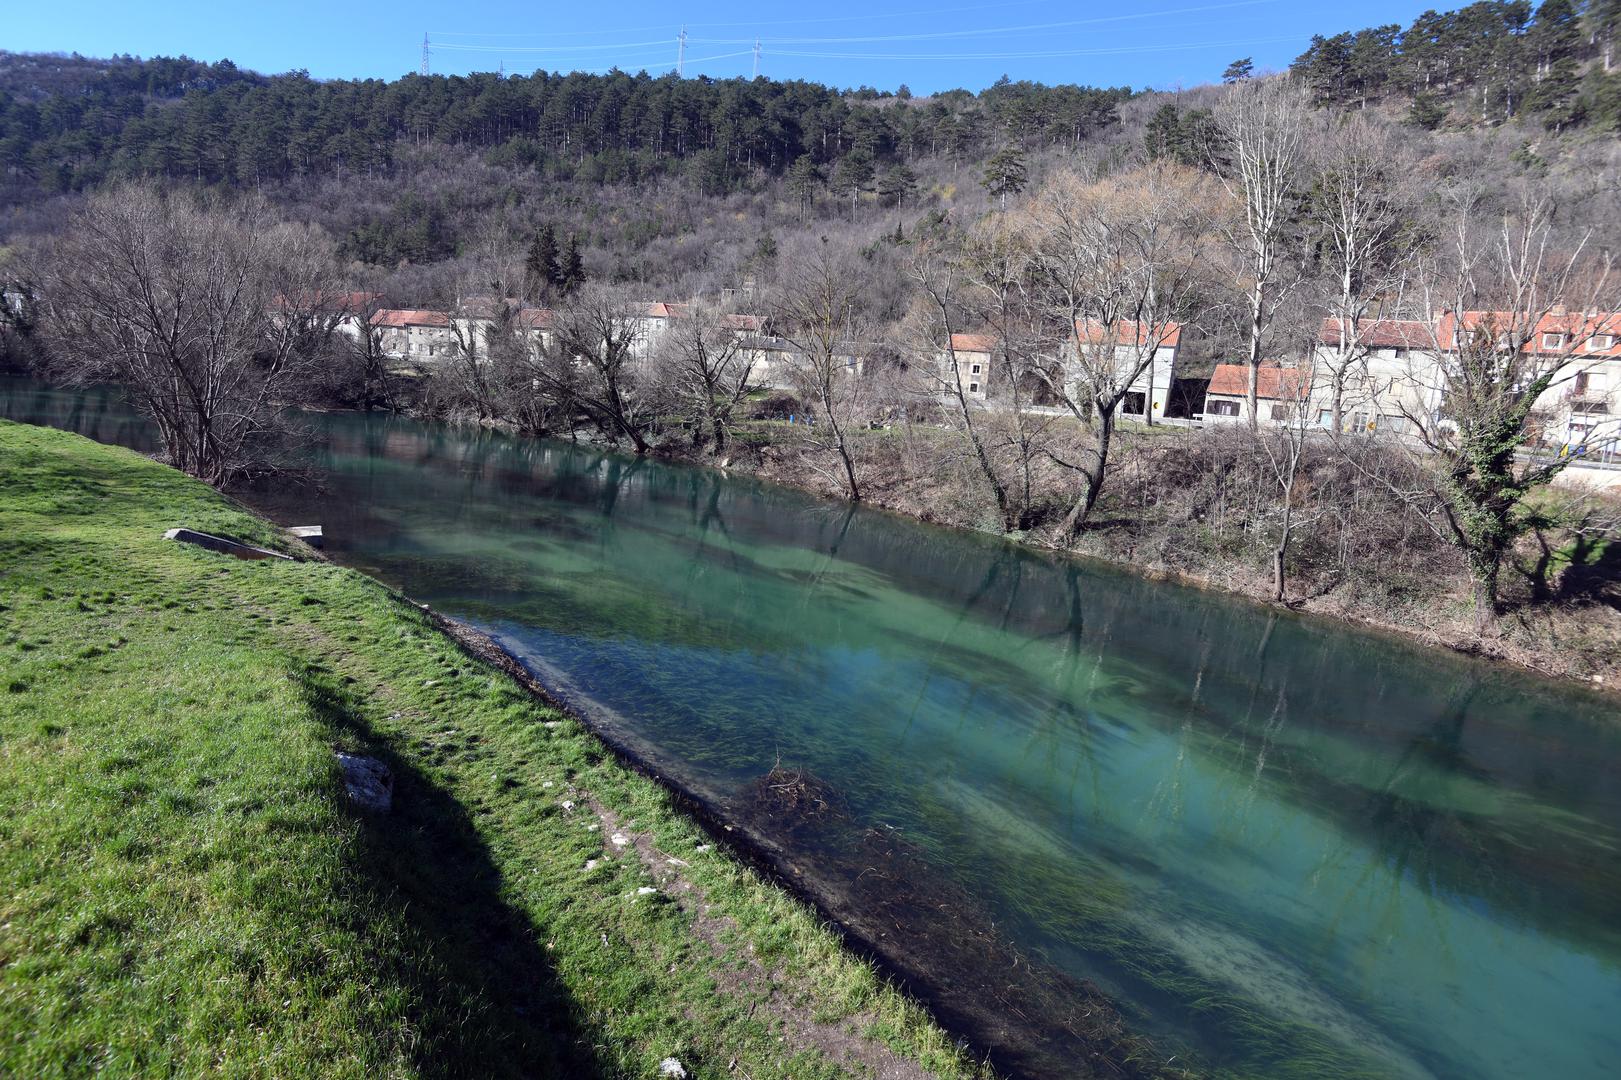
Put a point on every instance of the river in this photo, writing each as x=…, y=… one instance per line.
x=1284, y=847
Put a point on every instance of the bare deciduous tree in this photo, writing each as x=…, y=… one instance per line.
x=1263, y=125
x=1121, y=264
x=208, y=316
x=704, y=361
x=817, y=312
x=600, y=363
x=1363, y=205
x=937, y=267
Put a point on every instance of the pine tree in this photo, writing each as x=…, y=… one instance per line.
x=1005, y=174
x=540, y=267
x=898, y=184
x=1238, y=71
x=803, y=177
x=571, y=273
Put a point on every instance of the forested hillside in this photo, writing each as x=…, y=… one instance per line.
x=1490, y=61
x=690, y=185
x=74, y=124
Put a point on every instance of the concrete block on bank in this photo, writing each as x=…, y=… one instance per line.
x=222, y=545
x=310, y=534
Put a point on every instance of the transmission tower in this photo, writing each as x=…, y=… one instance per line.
x=424, y=53
x=680, y=51
x=756, y=58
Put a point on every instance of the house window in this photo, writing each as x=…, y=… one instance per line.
x=1601, y=343
x=1553, y=341
x=1325, y=418
x=973, y=388
x=1133, y=403
x=1399, y=353
x=1283, y=411
x=1359, y=422
x=1223, y=408
x=1395, y=424
x=974, y=370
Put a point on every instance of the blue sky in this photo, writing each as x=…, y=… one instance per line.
x=927, y=44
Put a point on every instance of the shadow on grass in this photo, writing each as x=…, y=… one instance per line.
x=486, y=998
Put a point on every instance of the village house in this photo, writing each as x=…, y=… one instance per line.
x=1124, y=346
x=1104, y=350
x=1400, y=373
x=414, y=335
x=345, y=313
x=1394, y=374
x=972, y=353
x=1280, y=393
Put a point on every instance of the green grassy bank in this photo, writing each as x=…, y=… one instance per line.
x=184, y=889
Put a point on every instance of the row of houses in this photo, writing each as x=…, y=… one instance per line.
x=1393, y=380
x=1396, y=377
x=1399, y=375
x=423, y=337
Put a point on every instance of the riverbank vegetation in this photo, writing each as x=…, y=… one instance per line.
x=183, y=888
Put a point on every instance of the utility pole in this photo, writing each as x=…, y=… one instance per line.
x=424, y=52
x=680, y=51
x=756, y=58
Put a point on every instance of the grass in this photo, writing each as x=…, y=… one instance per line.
x=183, y=888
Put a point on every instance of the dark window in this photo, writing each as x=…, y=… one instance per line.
x=1224, y=408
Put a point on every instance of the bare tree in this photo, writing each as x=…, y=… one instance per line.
x=704, y=362
x=1363, y=206
x=600, y=363
x=1263, y=125
x=1506, y=341
x=1284, y=445
x=999, y=268
x=817, y=312
x=1121, y=262
x=208, y=316
x=937, y=266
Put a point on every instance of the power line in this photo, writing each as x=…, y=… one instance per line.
x=1122, y=50
x=1027, y=28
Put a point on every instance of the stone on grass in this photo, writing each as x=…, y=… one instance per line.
x=368, y=781
x=619, y=839
x=672, y=1069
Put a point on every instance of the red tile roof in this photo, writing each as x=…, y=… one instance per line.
x=972, y=343
x=1273, y=383
x=1092, y=332
x=402, y=317
x=1383, y=333
x=534, y=318
x=345, y=303
x=1577, y=327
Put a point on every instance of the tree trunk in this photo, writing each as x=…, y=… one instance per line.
x=1485, y=599
x=1078, y=514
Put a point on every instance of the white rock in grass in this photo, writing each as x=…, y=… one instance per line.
x=701, y=848
x=646, y=890
x=368, y=781
x=590, y=864
x=672, y=1069
x=567, y=805
x=619, y=839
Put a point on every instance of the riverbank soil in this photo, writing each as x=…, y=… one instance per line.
x=184, y=887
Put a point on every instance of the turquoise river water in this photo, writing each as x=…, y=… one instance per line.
x=1284, y=847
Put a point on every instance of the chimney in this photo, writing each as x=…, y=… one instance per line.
x=1559, y=308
